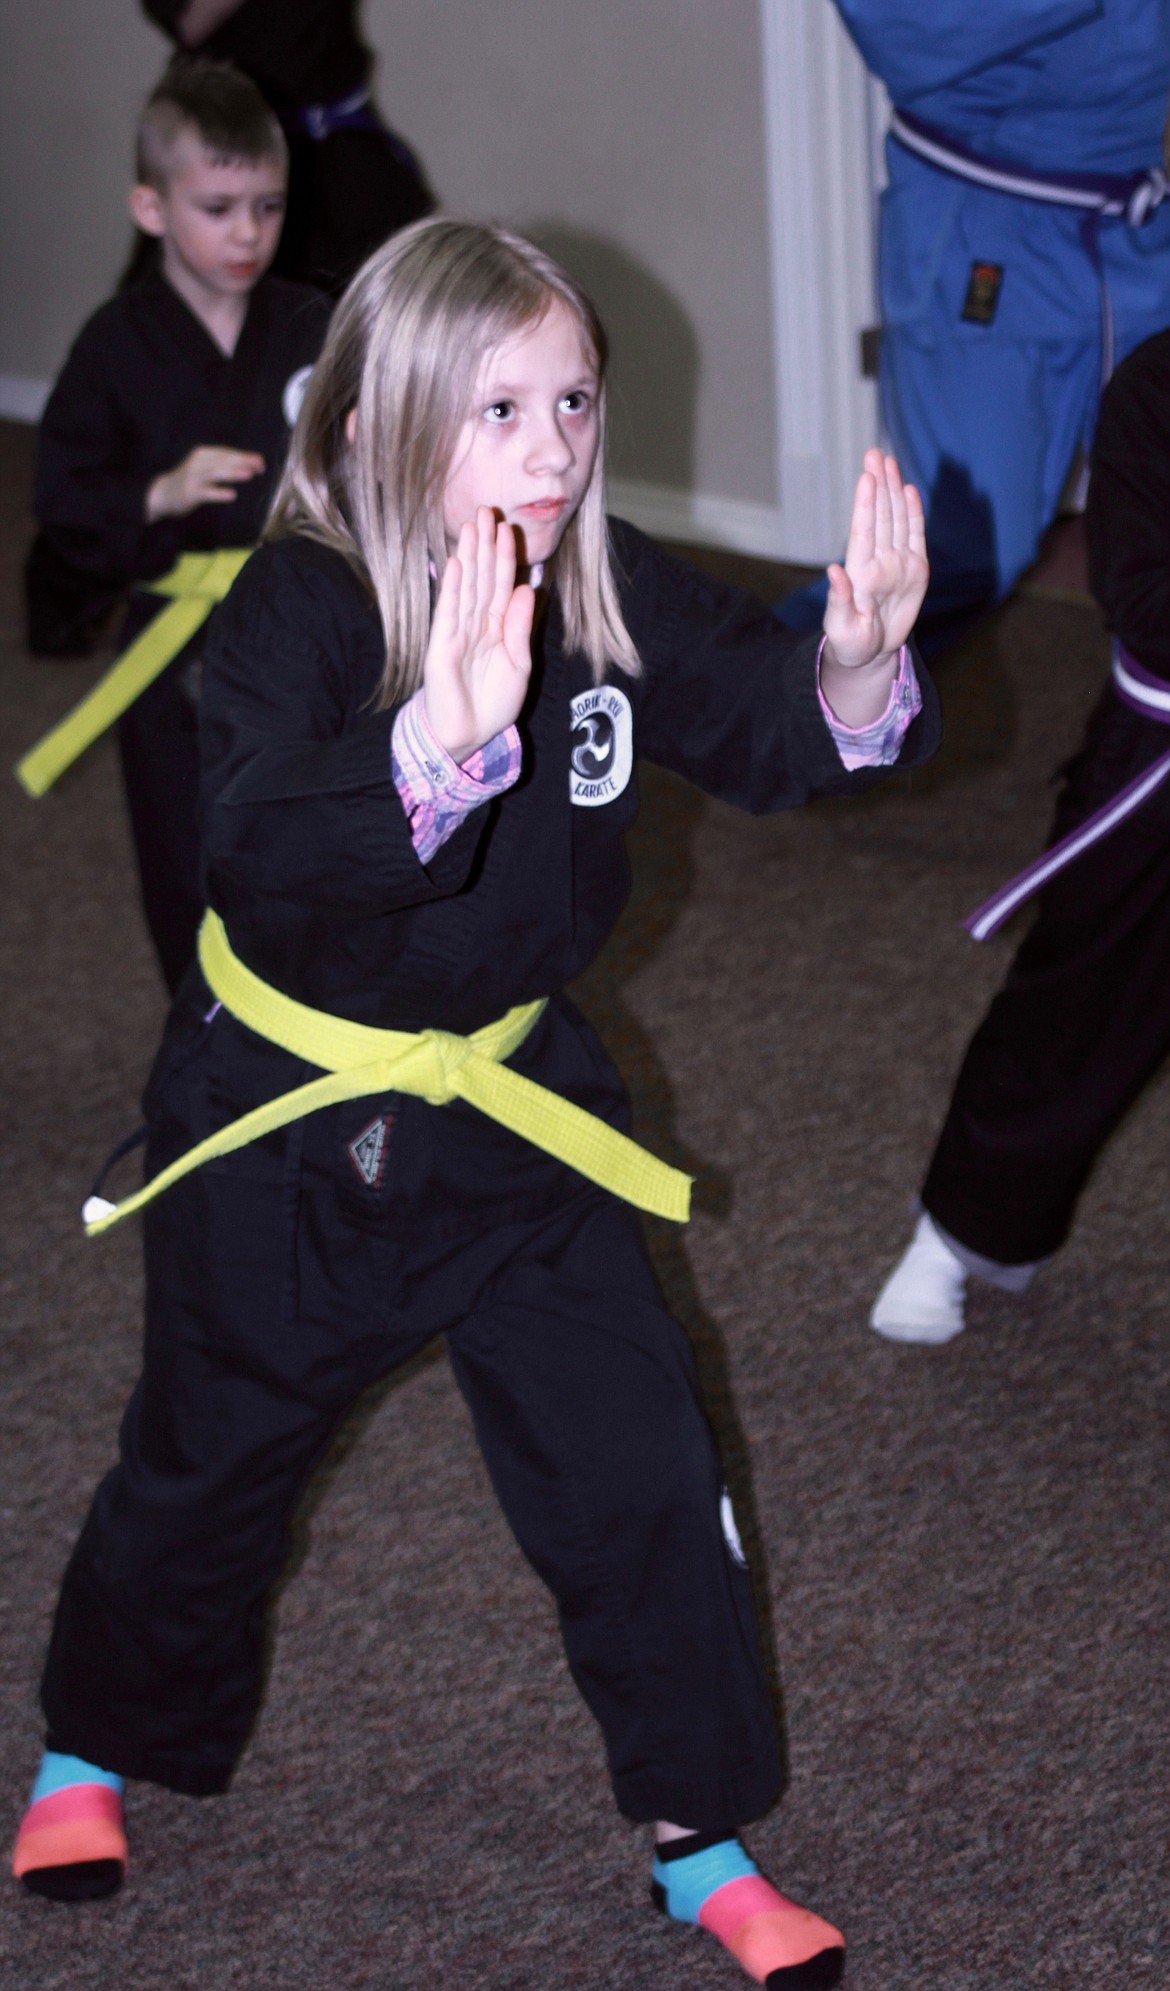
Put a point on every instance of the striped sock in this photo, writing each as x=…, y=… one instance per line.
x=709, y=1879
x=72, y=1844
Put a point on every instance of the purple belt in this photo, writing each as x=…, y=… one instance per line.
x=1132, y=195
x=1142, y=692
x=352, y=113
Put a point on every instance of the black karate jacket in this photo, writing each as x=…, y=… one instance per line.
x=144, y=384
x=309, y=859
x=297, y=51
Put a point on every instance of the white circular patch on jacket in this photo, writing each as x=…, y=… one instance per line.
x=730, y=1531
x=601, y=758
x=294, y=394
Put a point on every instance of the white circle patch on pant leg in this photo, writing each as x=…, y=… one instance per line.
x=730, y=1531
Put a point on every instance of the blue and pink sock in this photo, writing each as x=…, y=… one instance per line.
x=71, y=1845
x=708, y=1879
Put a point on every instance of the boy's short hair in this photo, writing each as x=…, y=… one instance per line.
x=219, y=104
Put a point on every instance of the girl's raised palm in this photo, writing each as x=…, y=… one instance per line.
x=875, y=598
x=478, y=659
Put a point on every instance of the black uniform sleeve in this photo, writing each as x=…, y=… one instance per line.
x=295, y=51
x=165, y=14
x=729, y=696
x=89, y=494
x=298, y=800
x=1127, y=519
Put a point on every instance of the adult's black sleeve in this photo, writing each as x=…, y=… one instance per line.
x=165, y=14
x=297, y=795
x=729, y=697
x=1127, y=518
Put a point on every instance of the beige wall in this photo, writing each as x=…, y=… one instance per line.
x=72, y=74
x=631, y=136
x=628, y=136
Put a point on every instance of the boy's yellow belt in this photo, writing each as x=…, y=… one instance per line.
x=195, y=584
x=432, y=1064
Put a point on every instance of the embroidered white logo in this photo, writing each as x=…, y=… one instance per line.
x=367, y=1150
x=294, y=394
x=602, y=756
x=730, y=1531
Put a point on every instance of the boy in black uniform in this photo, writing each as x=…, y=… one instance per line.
x=169, y=424
x=1082, y=1021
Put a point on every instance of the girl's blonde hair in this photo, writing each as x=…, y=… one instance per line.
x=405, y=350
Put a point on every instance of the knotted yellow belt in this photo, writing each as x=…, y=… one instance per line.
x=195, y=584
x=434, y=1065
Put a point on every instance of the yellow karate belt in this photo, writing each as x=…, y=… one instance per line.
x=195, y=584
x=435, y=1065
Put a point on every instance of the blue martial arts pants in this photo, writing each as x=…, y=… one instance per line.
x=987, y=417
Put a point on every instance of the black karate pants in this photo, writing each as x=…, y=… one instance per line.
x=269, y=1308
x=66, y=606
x=1081, y=1023
x=158, y=739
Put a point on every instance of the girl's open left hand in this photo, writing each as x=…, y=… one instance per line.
x=478, y=659
x=875, y=598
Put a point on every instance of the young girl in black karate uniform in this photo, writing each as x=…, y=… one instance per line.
x=421, y=707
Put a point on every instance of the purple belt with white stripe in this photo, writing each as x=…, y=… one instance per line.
x=1133, y=196
x=352, y=113
x=1144, y=693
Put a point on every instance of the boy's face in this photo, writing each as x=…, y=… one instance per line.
x=219, y=221
x=528, y=448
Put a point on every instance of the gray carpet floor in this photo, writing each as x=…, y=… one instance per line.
x=961, y=1552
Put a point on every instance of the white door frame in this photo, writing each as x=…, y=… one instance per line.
x=823, y=119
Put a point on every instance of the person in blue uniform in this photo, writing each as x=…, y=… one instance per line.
x=1024, y=250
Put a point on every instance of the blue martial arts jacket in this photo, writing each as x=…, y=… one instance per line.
x=1051, y=83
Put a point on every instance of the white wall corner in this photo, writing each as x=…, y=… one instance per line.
x=818, y=121
x=696, y=518
x=823, y=121
x=22, y=398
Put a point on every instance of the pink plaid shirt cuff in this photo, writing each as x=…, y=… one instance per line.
x=879, y=744
x=436, y=791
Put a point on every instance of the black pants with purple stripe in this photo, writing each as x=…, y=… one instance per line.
x=1080, y=1025
x=275, y=1295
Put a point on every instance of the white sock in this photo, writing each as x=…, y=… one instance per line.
x=922, y=1300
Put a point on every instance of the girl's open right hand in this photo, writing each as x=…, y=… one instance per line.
x=478, y=660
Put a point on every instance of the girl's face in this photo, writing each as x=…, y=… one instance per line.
x=528, y=447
